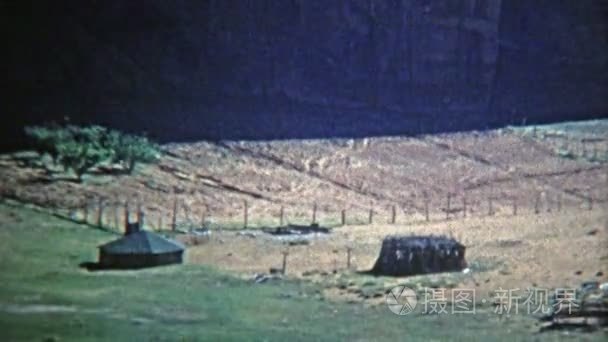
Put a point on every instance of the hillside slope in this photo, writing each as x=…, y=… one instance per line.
x=534, y=169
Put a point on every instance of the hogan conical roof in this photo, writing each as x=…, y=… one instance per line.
x=141, y=242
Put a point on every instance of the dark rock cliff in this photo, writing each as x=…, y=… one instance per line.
x=258, y=69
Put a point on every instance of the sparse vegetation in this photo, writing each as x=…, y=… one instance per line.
x=80, y=149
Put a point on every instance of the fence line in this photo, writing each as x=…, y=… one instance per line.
x=103, y=208
x=103, y=211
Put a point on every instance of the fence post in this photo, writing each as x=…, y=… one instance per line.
x=348, y=251
x=335, y=261
x=314, y=213
x=537, y=203
x=140, y=214
x=204, y=215
x=100, y=212
x=490, y=208
x=514, y=206
x=447, y=210
x=393, y=214
x=245, y=213
x=284, y=267
x=584, y=142
x=116, y=219
x=174, y=216
x=426, y=207
x=126, y=216
x=141, y=219
x=343, y=217
x=370, y=219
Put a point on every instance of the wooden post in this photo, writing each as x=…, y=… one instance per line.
x=537, y=203
x=141, y=222
x=126, y=216
x=490, y=208
x=370, y=219
x=245, y=213
x=140, y=214
x=584, y=148
x=393, y=214
x=174, y=216
x=284, y=268
x=514, y=206
x=426, y=207
x=464, y=205
x=314, y=213
x=343, y=217
x=348, y=251
x=100, y=212
x=335, y=261
x=281, y=214
x=116, y=219
x=447, y=210
x=204, y=215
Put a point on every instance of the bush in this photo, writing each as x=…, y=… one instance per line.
x=47, y=140
x=130, y=149
x=81, y=156
x=82, y=148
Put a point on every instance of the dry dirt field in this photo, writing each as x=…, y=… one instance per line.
x=546, y=251
x=530, y=204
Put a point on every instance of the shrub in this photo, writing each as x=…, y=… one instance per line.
x=47, y=140
x=81, y=156
x=130, y=149
x=81, y=148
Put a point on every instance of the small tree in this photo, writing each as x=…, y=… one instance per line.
x=130, y=150
x=47, y=139
x=83, y=149
x=80, y=157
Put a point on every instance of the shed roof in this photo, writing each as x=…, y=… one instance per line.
x=142, y=242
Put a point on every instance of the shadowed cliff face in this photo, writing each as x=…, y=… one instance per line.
x=291, y=69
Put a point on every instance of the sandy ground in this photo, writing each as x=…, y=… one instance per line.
x=548, y=250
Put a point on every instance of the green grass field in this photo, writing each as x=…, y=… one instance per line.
x=45, y=295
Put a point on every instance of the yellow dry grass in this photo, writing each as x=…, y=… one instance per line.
x=548, y=250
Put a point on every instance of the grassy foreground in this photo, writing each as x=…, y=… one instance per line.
x=44, y=295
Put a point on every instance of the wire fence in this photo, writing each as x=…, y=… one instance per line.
x=179, y=216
